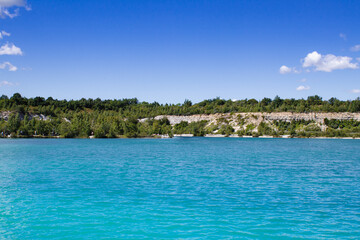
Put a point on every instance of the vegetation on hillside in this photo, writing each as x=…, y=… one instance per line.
x=120, y=118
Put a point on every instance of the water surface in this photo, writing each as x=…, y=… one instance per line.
x=181, y=188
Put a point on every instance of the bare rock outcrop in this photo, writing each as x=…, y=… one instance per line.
x=259, y=116
x=242, y=120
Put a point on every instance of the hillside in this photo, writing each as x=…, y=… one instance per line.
x=314, y=117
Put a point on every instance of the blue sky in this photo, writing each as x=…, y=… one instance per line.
x=168, y=51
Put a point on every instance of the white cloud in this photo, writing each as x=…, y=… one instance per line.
x=4, y=34
x=12, y=3
x=355, y=48
x=9, y=66
x=311, y=59
x=302, y=88
x=343, y=36
x=6, y=83
x=303, y=80
x=10, y=49
x=355, y=91
x=285, y=69
x=328, y=63
x=4, y=12
x=6, y=4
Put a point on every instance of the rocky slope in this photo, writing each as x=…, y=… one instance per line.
x=256, y=118
x=238, y=121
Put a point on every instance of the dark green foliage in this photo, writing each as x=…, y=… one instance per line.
x=13, y=123
x=249, y=129
x=127, y=107
x=198, y=128
x=181, y=128
x=226, y=130
x=119, y=118
x=335, y=123
x=264, y=129
x=155, y=127
x=131, y=127
x=342, y=128
x=195, y=128
x=187, y=103
x=294, y=128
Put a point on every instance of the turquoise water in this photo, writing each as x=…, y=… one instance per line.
x=181, y=188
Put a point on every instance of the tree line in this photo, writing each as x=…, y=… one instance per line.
x=133, y=107
x=120, y=118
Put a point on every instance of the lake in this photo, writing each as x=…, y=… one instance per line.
x=180, y=188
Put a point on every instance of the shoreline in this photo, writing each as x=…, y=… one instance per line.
x=184, y=136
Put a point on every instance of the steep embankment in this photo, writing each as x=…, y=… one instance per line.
x=240, y=121
x=313, y=124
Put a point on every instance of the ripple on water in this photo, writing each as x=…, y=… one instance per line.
x=180, y=188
